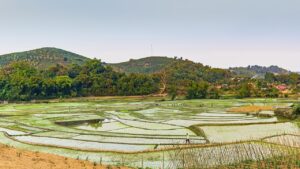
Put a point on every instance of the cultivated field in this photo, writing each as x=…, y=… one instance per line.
x=146, y=132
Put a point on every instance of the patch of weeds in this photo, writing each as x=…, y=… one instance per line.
x=198, y=131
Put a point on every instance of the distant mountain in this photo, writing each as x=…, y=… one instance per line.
x=44, y=57
x=145, y=65
x=258, y=71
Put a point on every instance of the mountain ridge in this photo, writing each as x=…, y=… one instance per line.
x=256, y=71
x=43, y=57
x=151, y=64
x=50, y=56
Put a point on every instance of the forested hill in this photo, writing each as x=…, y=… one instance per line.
x=47, y=57
x=180, y=74
x=44, y=57
x=151, y=64
x=65, y=74
x=258, y=71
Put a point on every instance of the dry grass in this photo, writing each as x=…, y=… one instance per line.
x=285, y=162
x=252, y=155
x=11, y=158
x=249, y=109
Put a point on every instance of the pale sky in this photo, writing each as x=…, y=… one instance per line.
x=220, y=33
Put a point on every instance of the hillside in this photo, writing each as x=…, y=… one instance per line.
x=180, y=74
x=43, y=57
x=258, y=71
x=145, y=65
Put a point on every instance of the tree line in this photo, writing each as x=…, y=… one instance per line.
x=22, y=81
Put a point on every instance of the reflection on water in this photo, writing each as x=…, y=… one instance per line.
x=94, y=125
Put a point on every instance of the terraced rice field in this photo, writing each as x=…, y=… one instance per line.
x=113, y=131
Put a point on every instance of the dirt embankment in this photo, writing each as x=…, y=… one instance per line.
x=247, y=109
x=11, y=158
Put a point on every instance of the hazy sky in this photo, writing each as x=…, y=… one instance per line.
x=220, y=33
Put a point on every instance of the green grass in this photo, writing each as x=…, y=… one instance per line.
x=297, y=121
x=289, y=161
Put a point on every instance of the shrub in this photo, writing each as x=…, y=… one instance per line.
x=197, y=91
x=296, y=109
x=244, y=91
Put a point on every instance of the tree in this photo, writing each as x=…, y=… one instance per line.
x=137, y=84
x=296, y=109
x=63, y=85
x=244, y=91
x=213, y=93
x=270, y=77
x=272, y=92
x=197, y=90
x=74, y=70
x=15, y=79
x=173, y=92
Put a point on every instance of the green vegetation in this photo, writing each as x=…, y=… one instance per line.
x=288, y=161
x=44, y=57
x=258, y=71
x=22, y=81
x=185, y=73
x=151, y=64
x=296, y=109
x=244, y=91
x=197, y=91
x=54, y=73
x=133, y=130
x=252, y=155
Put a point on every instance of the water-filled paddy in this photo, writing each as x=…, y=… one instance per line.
x=135, y=126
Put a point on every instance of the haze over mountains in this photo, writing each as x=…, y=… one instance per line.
x=46, y=57
x=258, y=71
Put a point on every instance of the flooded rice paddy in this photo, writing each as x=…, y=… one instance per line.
x=109, y=129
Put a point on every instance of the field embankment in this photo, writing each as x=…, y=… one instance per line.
x=252, y=108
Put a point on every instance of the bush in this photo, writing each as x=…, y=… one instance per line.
x=213, y=93
x=197, y=90
x=285, y=112
x=296, y=109
x=244, y=91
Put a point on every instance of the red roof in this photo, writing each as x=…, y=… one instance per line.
x=281, y=87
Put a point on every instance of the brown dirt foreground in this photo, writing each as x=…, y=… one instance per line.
x=11, y=158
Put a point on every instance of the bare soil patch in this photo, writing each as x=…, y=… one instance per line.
x=11, y=158
x=249, y=109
